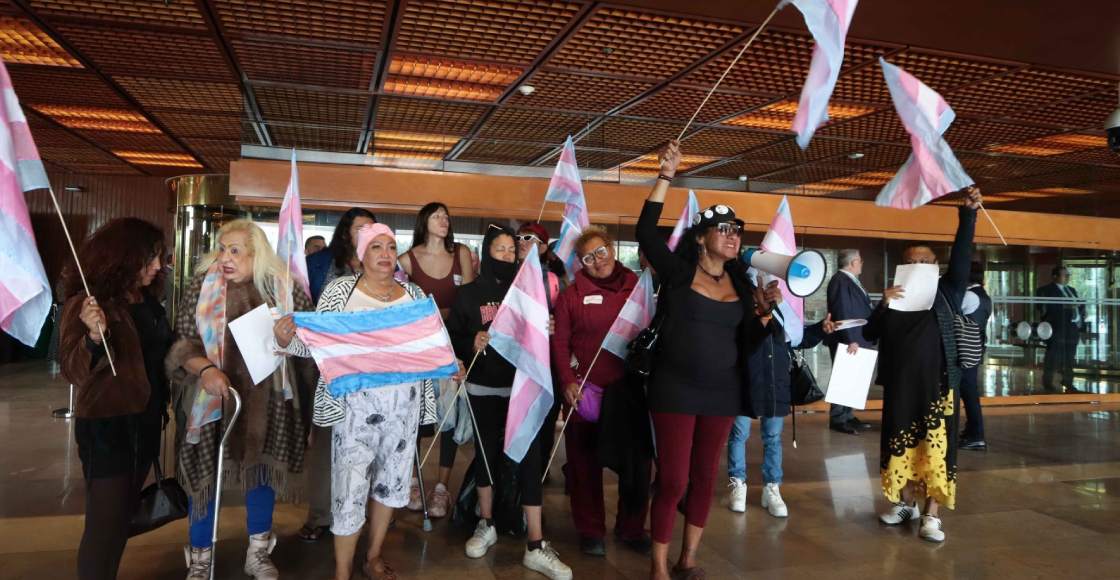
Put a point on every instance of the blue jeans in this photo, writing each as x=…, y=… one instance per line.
x=259, y=503
x=771, y=448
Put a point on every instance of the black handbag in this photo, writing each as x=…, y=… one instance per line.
x=802, y=383
x=642, y=350
x=160, y=503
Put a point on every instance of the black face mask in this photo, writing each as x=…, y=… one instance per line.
x=491, y=269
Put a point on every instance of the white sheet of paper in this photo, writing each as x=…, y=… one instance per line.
x=257, y=343
x=851, y=377
x=920, y=284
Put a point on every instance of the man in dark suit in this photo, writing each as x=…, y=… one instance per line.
x=977, y=306
x=1066, y=320
x=847, y=300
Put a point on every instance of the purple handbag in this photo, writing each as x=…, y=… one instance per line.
x=590, y=403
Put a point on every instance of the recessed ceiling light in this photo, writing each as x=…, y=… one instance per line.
x=743, y=178
x=526, y=89
x=855, y=155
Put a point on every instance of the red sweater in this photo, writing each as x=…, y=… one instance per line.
x=582, y=321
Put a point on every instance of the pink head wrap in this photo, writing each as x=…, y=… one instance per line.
x=366, y=234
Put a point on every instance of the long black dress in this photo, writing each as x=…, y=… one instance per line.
x=921, y=382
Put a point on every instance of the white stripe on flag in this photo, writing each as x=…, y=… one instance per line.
x=346, y=349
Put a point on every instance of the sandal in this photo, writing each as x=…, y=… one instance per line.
x=694, y=573
x=311, y=534
x=387, y=572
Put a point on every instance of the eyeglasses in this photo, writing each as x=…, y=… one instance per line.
x=600, y=253
x=729, y=229
x=527, y=238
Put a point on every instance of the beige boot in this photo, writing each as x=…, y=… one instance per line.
x=257, y=563
x=198, y=562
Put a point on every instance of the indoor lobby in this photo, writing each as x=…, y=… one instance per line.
x=514, y=116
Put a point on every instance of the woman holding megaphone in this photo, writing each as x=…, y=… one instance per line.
x=712, y=316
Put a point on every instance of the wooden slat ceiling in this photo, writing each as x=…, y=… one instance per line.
x=176, y=86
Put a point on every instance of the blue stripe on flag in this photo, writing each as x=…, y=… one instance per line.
x=347, y=384
x=368, y=321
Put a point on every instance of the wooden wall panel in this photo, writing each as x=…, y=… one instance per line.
x=103, y=197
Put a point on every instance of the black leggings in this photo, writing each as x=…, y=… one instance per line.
x=490, y=429
x=110, y=504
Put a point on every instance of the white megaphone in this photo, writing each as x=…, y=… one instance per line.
x=803, y=272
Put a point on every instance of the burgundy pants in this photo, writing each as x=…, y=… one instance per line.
x=585, y=485
x=688, y=450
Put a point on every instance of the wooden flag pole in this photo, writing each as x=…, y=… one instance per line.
x=991, y=221
x=564, y=427
x=730, y=66
x=446, y=415
x=82, y=275
x=541, y=214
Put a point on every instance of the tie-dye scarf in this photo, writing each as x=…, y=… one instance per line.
x=210, y=316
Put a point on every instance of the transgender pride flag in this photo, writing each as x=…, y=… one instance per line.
x=828, y=21
x=289, y=245
x=376, y=348
x=634, y=317
x=25, y=294
x=690, y=209
x=519, y=333
x=779, y=239
x=566, y=187
x=932, y=170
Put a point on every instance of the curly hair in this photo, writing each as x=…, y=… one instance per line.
x=341, y=246
x=114, y=257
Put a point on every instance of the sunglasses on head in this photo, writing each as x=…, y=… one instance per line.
x=600, y=253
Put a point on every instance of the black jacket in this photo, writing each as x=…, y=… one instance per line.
x=473, y=310
x=847, y=301
x=768, y=391
x=1060, y=316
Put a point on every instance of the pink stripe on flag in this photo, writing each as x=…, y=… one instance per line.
x=408, y=362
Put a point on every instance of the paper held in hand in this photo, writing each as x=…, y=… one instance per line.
x=257, y=343
x=851, y=377
x=919, y=283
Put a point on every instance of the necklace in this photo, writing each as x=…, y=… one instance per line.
x=716, y=279
x=381, y=297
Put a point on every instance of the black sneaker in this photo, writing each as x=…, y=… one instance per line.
x=859, y=425
x=592, y=546
x=641, y=545
x=843, y=428
x=974, y=445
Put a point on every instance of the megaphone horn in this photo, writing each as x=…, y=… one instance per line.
x=804, y=272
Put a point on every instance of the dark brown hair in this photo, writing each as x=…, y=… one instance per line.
x=342, y=247
x=420, y=232
x=113, y=258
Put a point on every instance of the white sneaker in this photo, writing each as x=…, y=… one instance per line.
x=439, y=501
x=484, y=537
x=900, y=513
x=547, y=562
x=415, y=502
x=738, y=503
x=931, y=529
x=772, y=501
x=257, y=563
x=198, y=562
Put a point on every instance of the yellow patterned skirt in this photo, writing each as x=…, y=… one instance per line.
x=924, y=454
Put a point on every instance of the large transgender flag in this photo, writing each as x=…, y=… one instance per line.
x=634, y=317
x=565, y=187
x=828, y=21
x=519, y=333
x=932, y=170
x=376, y=348
x=779, y=239
x=289, y=243
x=690, y=209
x=25, y=294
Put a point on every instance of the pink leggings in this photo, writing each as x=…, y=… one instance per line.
x=688, y=451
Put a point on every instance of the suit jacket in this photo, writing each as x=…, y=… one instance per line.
x=846, y=300
x=1060, y=316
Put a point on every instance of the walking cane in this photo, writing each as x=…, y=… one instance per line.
x=420, y=476
x=218, y=485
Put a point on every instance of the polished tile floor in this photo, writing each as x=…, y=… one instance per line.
x=1044, y=502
